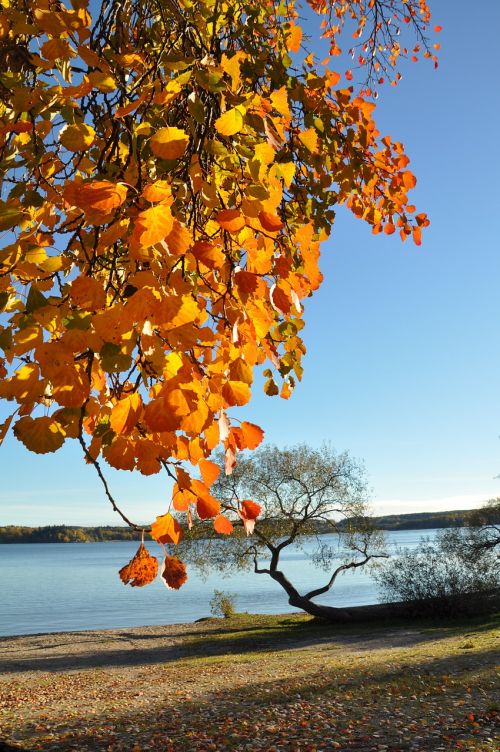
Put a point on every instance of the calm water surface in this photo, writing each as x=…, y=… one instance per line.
x=50, y=587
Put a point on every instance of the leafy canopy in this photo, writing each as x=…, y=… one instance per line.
x=170, y=168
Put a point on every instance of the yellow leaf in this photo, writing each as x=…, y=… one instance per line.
x=166, y=529
x=40, y=435
x=279, y=100
x=102, y=81
x=230, y=122
x=309, y=138
x=231, y=66
x=169, y=143
x=176, y=311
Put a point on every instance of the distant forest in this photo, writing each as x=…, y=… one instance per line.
x=70, y=534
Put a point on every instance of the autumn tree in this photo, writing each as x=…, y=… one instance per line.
x=170, y=169
x=304, y=494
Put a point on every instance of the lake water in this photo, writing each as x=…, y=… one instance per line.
x=51, y=587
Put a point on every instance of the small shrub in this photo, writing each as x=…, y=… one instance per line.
x=222, y=604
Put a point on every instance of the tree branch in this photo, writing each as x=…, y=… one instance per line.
x=343, y=568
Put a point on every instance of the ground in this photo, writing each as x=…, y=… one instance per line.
x=273, y=683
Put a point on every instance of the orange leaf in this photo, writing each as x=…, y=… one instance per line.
x=166, y=529
x=40, y=435
x=152, y=225
x=126, y=413
x=294, y=39
x=409, y=179
x=160, y=417
x=223, y=525
x=173, y=572
x=141, y=570
x=100, y=195
x=182, y=499
x=4, y=427
x=130, y=107
x=208, y=253
x=231, y=220
x=207, y=507
x=209, y=471
x=120, y=454
x=88, y=293
x=236, y=393
x=169, y=143
x=158, y=191
x=230, y=461
x=179, y=239
x=250, y=509
x=252, y=434
x=270, y=222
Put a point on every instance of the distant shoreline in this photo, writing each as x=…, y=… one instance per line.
x=115, y=534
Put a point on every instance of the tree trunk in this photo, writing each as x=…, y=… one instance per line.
x=316, y=609
x=299, y=601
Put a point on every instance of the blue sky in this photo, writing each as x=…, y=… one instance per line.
x=403, y=361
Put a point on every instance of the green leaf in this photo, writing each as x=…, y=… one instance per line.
x=10, y=216
x=113, y=359
x=35, y=300
x=78, y=320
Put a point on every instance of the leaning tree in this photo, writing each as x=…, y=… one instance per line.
x=169, y=170
x=304, y=493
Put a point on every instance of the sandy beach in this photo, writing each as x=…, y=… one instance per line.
x=253, y=683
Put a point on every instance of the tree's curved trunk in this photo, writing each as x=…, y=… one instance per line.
x=316, y=609
x=306, y=604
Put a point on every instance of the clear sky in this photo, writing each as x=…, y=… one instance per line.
x=403, y=359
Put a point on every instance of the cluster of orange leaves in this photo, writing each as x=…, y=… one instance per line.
x=143, y=568
x=167, y=188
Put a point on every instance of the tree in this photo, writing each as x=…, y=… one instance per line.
x=303, y=493
x=484, y=527
x=170, y=168
x=445, y=576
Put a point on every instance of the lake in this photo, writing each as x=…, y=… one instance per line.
x=54, y=587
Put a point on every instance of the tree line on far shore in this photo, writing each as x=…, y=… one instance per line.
x=103, y=534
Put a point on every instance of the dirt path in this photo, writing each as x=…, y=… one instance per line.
x=142, y=646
